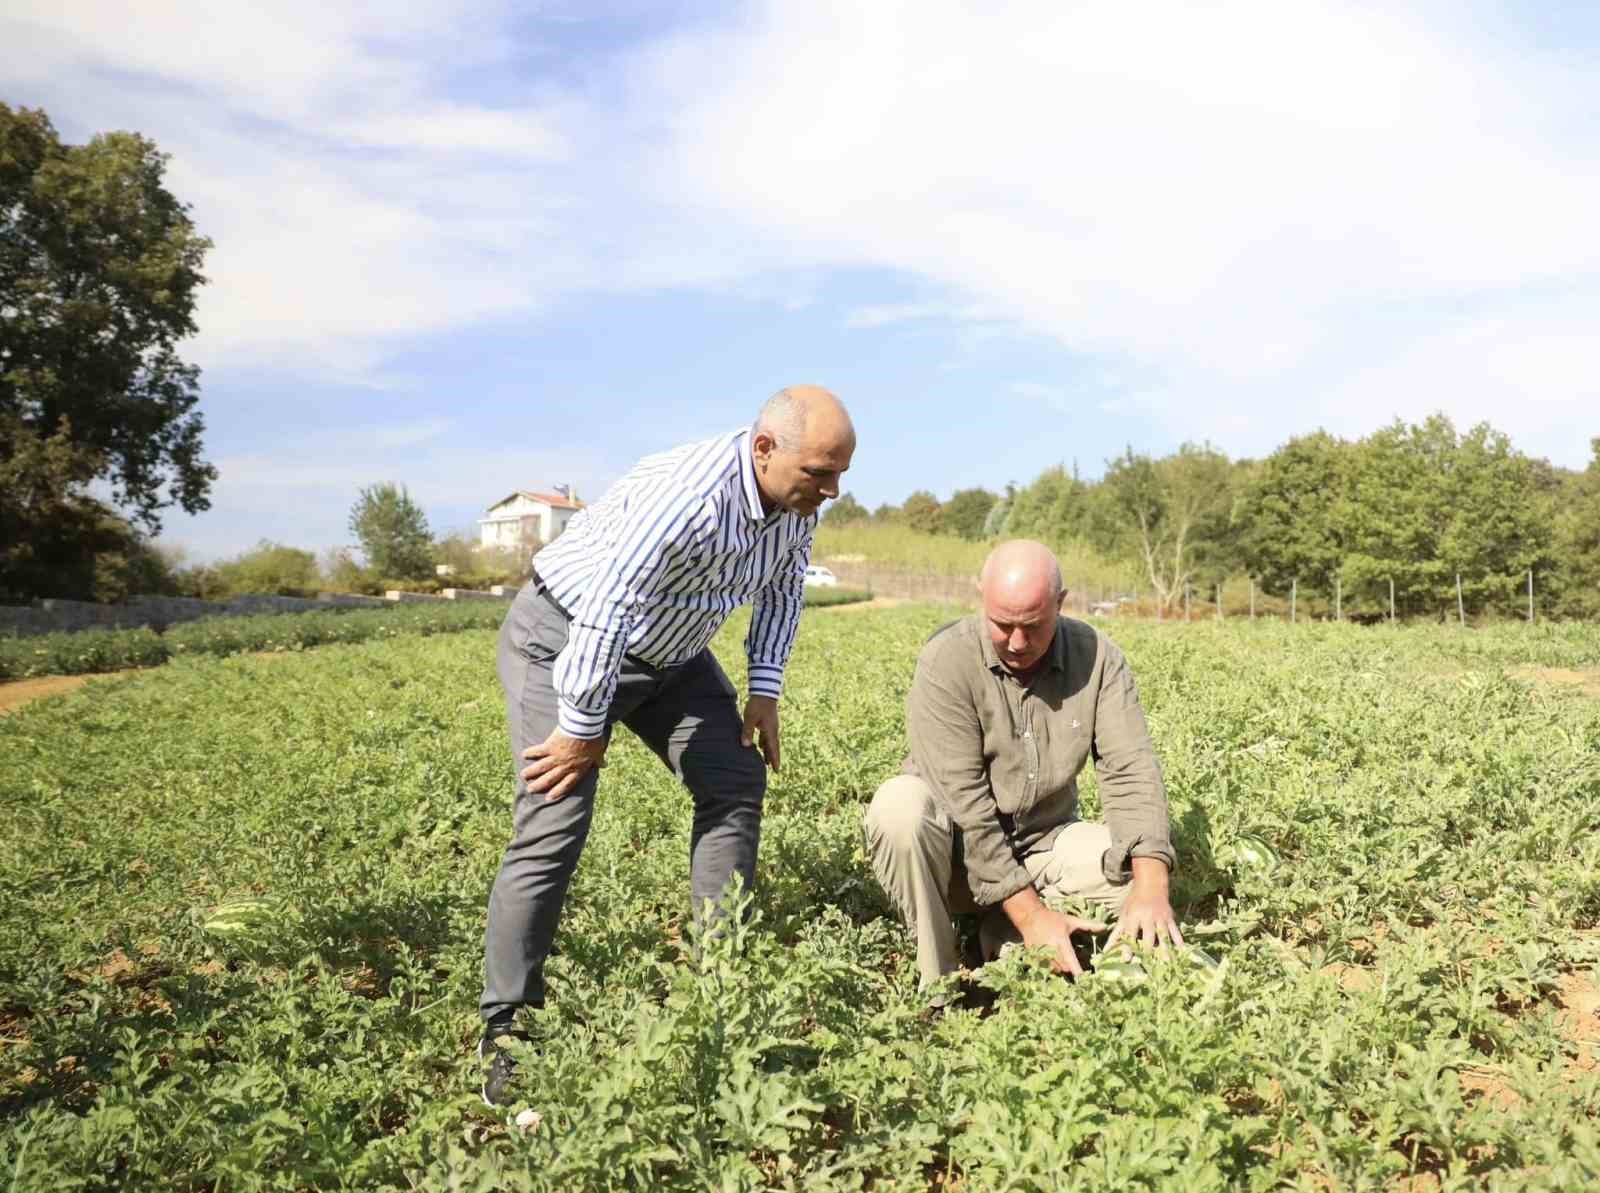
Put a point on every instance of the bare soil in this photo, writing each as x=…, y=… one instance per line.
x=16, y=693
x=1586, y=680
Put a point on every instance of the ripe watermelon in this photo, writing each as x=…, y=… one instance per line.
x=241, y=917
x=1254, y=852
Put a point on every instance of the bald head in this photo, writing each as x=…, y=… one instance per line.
x=1021, y=570
x=791, y=414
x=1022, y=590
x=801, y=445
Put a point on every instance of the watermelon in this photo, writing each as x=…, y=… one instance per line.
x=241, y=917
x=1119, y=970
x=1254, y=853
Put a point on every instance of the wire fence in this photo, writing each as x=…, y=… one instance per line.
x=1240, y=597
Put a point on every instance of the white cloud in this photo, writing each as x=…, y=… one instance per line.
x=1250, y=214
x=1220, y=197
x=353, y=202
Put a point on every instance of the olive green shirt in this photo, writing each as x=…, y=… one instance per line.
x=1002, y=755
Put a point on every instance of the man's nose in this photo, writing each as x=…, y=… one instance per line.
x=1018, y=642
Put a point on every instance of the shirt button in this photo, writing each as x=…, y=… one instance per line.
x=1030, y=774
x=1027, y=733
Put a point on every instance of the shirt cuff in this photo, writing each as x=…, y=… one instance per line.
x=1117, y=862
x=576, y=722
x=766, y=679
x=988, y=894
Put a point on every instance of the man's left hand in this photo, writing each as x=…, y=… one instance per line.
x=1147, y=916
x=761, y=717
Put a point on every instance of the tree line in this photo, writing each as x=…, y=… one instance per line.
x=1415, y=506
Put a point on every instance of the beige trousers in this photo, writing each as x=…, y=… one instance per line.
x=912, y=847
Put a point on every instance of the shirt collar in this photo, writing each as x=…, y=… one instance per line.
x=1055, y=657
x=747, y=478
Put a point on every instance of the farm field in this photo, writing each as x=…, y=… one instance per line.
x=1407, y=997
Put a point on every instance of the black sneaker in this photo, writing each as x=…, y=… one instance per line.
x=498, y=1065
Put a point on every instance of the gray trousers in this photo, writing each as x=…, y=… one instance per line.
x=687, y=714
x=915, y=853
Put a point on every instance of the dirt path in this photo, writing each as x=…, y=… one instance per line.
x=1586, y=680
x=18, y=692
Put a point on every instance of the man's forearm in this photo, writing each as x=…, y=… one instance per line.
x=1023, y=906
x=1150, y=873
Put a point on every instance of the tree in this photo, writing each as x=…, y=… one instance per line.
x=393, y=532
x=921, y=512
x=1052, y=509
x=845, y=510
x=1291, y=517
x=56, y=540
x=1169, y=511
x=99, y=265
x=1426, y=504
x=965, y=513
x=1577, y=585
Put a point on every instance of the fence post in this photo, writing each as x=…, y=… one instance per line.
x=1391, y=598
x=1461, y=609
x=1185, y=602
x=1338, y=599
x=1219, y=600
x=1294, y=595
x=1252, y=598
x=1530, y=596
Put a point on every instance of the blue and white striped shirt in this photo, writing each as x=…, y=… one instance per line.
x=655, y=567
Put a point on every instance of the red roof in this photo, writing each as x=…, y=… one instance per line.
x=554, y=500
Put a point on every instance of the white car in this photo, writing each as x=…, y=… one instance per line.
x=818, y=576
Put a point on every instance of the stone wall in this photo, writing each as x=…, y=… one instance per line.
x=54, y=616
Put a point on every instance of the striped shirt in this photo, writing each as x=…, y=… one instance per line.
x=655, y=567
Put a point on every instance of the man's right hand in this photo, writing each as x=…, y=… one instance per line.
x=1048, y=929
x=558, y=762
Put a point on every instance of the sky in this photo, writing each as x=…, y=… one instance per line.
x=476, y=247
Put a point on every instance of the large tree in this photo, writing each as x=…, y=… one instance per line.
x=1169, y=513
x=1426, y=504
x=99, y=265
x=965, y=514
x=1291, y=518
x=393, y=533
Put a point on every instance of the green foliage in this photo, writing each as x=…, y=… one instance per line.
x=1387, y=842
x=1577, y=527
x=1171, y=514
x=99, y=268
x=921, y=512
x=1293, y=514
x=269, y=568
x=843, y=510
x=91, y=651
x=966, y=512
x=56, y=540
x=393, y=532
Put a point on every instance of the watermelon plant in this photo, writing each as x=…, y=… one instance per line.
x=242, y=899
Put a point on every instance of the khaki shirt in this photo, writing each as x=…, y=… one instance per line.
x=1003, y=755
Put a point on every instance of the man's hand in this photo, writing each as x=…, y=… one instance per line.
x=761, y=716
x=1147, y=915
x=559, y=762
x=1041, y=926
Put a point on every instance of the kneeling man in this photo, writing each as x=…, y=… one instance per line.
x=1005, y=707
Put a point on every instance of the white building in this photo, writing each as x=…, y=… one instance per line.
x=523, y=517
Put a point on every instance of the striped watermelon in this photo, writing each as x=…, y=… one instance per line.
x=1254, y=852
x=241, y=917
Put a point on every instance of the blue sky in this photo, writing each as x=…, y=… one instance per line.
x=476, y=247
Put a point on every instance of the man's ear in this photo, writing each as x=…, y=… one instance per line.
x=1061, y=600
x=762, y=445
